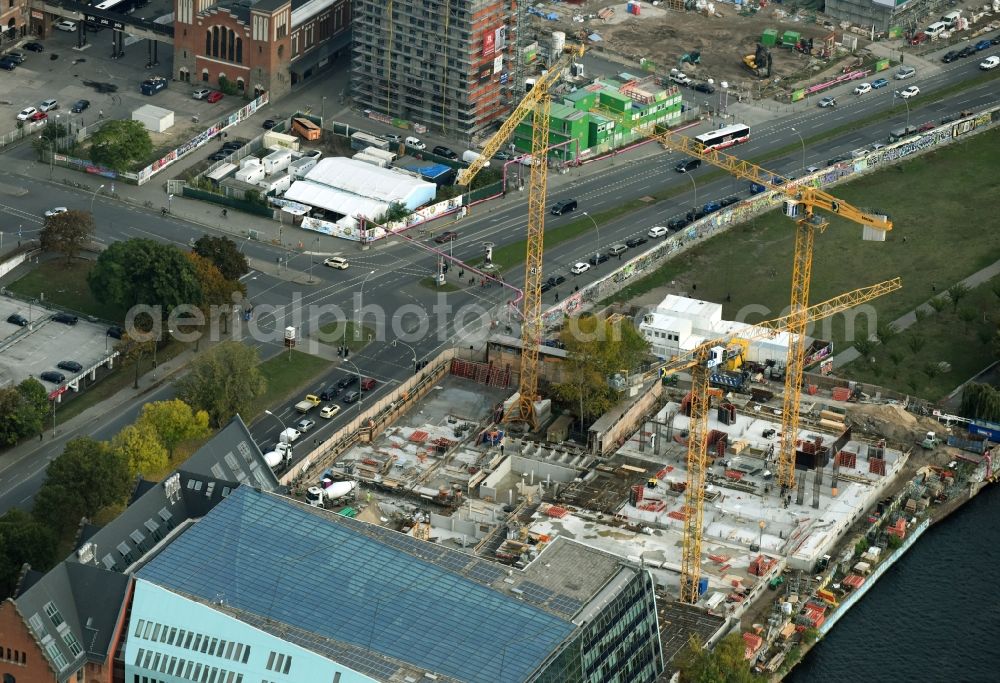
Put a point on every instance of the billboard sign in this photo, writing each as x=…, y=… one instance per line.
x=494, y=40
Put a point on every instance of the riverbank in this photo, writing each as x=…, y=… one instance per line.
x=963, y=493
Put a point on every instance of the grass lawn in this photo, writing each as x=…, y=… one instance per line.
x=938, y=353
x=431, y=283
x=65, y=286
x=336, y=331
x=286, y=374
x=937, y=202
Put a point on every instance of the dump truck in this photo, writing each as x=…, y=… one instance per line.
x=308, y=403
x=759, y=63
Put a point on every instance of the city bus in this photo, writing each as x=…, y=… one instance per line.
x=724, y=137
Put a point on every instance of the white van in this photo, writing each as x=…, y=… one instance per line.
x=415, y=143
x=950, y=19
x=936, y=29
x=469, y=156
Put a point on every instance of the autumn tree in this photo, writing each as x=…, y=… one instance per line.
x=67, y=233
x=87, y=477
x=174, y=422
x=725, y=663
x=134, y=349
x=598, y=349
x=224, y=381
x=216, y=290
x=224, y=254
x=140, y=446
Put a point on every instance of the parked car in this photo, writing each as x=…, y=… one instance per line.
x=16, y=319
x=7, y=64
x=65, y=318
x=289, y=435
x=368, y=383
x=352, y=397
x=219, y=156
x=687, y=165
x=16, y=57
x=348, y=381
x=657, y=231
x=338, y=262
x=65, y=25
x=446, y=236
x=70, y=365
x=233, y=144
x=80, y=105
x=579, y=267
x=268, y=124
x=695, y=213
x=55, y=211
x=305, y=424
x=828, y=102
x=115, y=332
x=214, y=97
x=862, y=88
x=907, y=93
x=38, y=116
x=677, y=223
x=926, y=126
x=34, y=47
x=200, y=93
x=393, y=138
x=53, y=376
x=989, y=63
x=706, y=88
x=556, y=280
x=26, y=113
x=949, y=56
x=443, y=151
x=564, y=206
x=503, y=156
x=967, y=51
x=983, y=45
x=879, y=83
x=49, y=105
x=904, y=72
x=730, y=200
x=598, y=258
x=415, y=143
x=327, y=412
x=634, y=242
x=711, y=207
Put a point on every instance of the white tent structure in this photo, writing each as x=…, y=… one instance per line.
x=352, y=188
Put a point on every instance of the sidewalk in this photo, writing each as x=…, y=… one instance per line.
x=904, y=321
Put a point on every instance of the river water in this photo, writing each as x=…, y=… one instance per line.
x=934, y=616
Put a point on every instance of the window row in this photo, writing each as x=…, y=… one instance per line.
x=663, y=335
x=189, y=640
x=183, y=668
x=223, y=43
x=279, y=662
x=15, y=656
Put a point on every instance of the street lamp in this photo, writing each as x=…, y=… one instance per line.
x=896, y=94
x=695, y=186
x=99, y=188
x=396, y=341
x=312, y=261
x=361, y=302
x=284, y=427
x=803, y=146
x=597, y=254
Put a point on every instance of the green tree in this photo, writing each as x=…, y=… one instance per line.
x=864, y=346
x=967, y=315
x=144, y=271
x=48, y=139
x=896, y=357
x=980, y=402
x=224, y=253
x=23, y=540
x=133, y=350
x=174, y=422
x=23, y=408
x=938, y=304
x=916, y=342
x=597, y=350
x=216, y=290
x=886, y=332
x=956, y=293
x=726, y=663
x=224, y=381
x=67, y=233
x=140, y=446
x=87, y=477
x=120, y=144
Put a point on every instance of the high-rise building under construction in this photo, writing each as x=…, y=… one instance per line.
x=443, y=64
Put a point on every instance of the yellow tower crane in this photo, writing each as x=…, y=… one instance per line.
x=537, y=102
x=700, y=362
x=800, y=204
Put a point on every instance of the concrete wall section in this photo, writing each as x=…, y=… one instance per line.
x=609, y=432
x=488, y=489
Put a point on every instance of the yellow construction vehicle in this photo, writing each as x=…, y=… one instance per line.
x=700, y=362
x=801, y=203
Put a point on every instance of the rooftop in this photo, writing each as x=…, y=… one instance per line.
x=436, y=608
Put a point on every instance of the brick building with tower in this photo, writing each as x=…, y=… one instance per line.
x=257, y=46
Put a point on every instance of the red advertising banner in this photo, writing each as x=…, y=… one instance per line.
x=489, y=43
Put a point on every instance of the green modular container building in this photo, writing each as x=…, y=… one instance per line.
x=790, y=38
x=769, y=37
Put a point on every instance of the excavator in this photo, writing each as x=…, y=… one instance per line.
x=759, y=63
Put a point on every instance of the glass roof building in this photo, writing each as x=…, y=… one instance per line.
x=266, y=589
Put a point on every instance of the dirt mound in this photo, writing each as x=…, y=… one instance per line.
x=891, y=421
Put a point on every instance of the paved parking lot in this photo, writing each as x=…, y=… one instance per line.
x=30, y=351
x=83, y=74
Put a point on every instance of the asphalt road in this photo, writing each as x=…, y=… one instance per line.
x=392, y=294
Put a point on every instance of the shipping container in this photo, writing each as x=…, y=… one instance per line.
x=360, y=141
x=250, y=174
x=276, y=184
x=276, y=162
